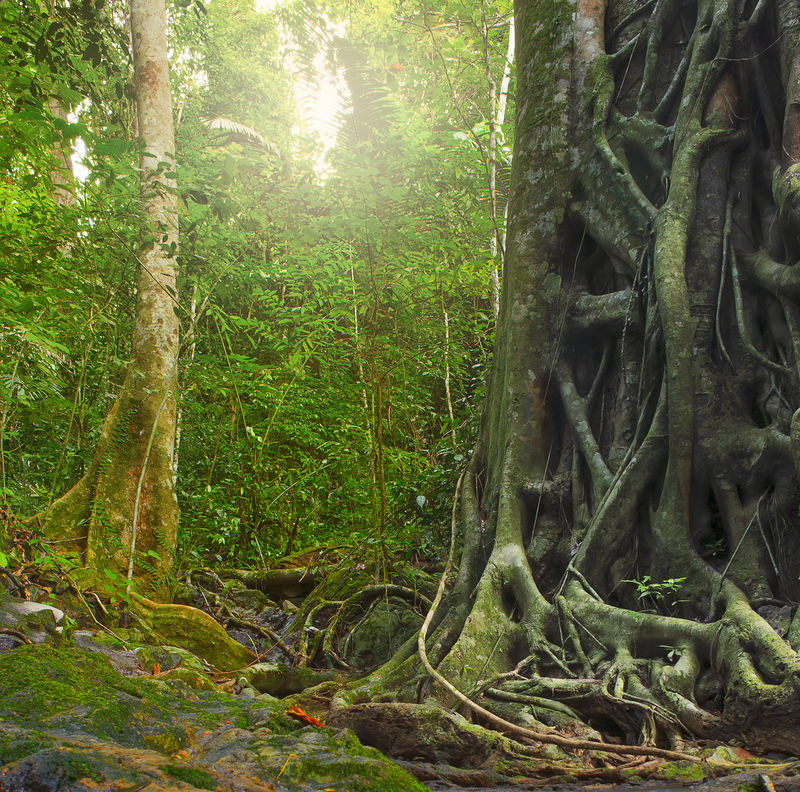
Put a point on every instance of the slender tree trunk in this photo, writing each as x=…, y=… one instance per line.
x=447, y=395
x=497, y=106
x=62, y=177
x=363, y=382
x=8, y=405
x=125, y=505
x=190, y=353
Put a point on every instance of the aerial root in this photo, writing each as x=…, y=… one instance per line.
x=534, y=701
x=566, y=614
x=327, y=638
x=307, y=627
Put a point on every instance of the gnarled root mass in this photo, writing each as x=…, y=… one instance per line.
x=629, y=519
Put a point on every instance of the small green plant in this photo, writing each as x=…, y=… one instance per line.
x=118, y=587
x=190, y=775
x=657, y=592
x=673, y=653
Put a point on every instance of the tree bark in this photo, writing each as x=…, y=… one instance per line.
x=629, y=518
x=496, y=121
x=62, y=177
x=125, y=508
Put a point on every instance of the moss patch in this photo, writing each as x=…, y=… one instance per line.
x=81, y=691
x=190, y=677
x=682, y=771
x=67, y=766
x=190, y=775
x=338, y=761
x=16, y=746
x=55, y=702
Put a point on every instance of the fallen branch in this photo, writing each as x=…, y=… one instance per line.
x=263, y=631
x=21, y=637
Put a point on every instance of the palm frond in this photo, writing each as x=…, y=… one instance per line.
x=228, y=125
x=240, y=133
x=372, y=104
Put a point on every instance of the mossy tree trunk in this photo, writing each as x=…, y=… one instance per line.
x=125, y=506
x=642, y=418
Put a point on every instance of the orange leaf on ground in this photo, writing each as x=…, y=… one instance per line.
x=298, y=714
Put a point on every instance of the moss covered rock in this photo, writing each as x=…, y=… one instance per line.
x=80, y=692
x=38, y=622
x=69, y=720
x=387, y=625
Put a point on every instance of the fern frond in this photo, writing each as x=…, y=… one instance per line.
x=372, y=104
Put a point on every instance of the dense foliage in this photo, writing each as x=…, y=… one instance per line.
x=335, y=304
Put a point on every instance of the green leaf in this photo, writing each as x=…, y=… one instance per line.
x=92, y=53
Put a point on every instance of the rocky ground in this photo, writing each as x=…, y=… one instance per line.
x=94, y=709
x=114, y=710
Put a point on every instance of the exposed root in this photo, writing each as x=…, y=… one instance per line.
x=502, y=724
x=193, y=630
x=16, y=635
x=383, y=590
x=303, y=653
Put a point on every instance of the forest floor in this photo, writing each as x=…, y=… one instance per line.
x=92, y=706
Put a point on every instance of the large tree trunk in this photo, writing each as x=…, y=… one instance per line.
x=642, y=420
x=123, y=513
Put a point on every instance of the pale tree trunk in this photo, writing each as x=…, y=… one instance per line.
x=362, y=381
x=447, y=394
x=189, y=359
x=62, y=177
x=126, y=504
x=497, y=105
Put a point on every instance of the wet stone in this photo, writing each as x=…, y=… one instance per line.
x=38, y=622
